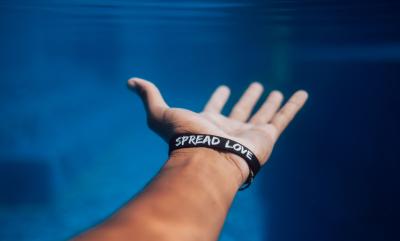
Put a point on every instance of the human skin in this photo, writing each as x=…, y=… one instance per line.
x=191, y=195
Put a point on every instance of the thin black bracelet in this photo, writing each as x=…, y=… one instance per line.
x=220, y=143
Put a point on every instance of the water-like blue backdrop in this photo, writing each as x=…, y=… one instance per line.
x=73, y=138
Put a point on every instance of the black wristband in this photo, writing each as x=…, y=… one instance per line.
x=217, y=142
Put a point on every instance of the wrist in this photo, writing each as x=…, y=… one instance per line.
x=222, y=163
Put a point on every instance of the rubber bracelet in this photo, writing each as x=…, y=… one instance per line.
x=220, y=143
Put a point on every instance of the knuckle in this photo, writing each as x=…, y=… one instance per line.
x=294, y=103
x=238, y=111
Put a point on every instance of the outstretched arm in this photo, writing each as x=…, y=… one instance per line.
x=191, y=195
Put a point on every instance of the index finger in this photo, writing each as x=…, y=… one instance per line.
x=218, y=100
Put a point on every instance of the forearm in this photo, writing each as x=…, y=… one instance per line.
x=188, y=200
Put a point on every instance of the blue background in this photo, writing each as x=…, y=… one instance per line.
x=74, y=145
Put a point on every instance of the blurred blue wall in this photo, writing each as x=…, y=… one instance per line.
x=73, y=138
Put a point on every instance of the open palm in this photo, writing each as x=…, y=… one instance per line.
x=258, y=132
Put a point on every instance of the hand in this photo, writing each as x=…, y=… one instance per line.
x=258, y=132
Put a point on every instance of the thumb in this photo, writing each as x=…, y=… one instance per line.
x=151, y=97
